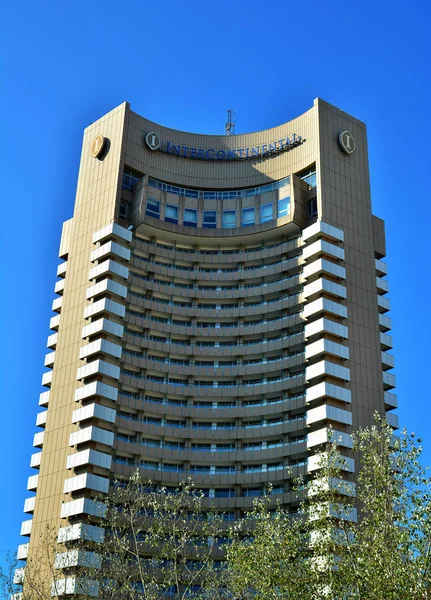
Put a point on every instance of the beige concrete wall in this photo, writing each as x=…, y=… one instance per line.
x=98, y=190
x=344, y=201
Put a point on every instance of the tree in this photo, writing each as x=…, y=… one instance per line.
x=45, y=573
x=161, y=540
x=393, y=535
x=277, y=554
x=327, y=552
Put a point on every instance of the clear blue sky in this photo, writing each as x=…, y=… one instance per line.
x=182, y=64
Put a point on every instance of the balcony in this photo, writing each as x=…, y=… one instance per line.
x=324, y=368
x=110, y=249
x=49, y=359
x=83, y=506
x=59, y=286
x=81, y=531
x=320, y=286
x=94, y=411
x=89, y=457
x=54, y=322
x=18, y=577
x=381, y=267
x=112, y=231
x=38, y=439
x=322, y=247
x=32, y=483
x=104, y=305
x=388, y=361
x=98, y=367
x=330, y=390
x=385, y=323
x=389, y=381
x=41, y=418
x=107, y=286
x=86, y=481
x=77, y=558
x=22, y=551
x=100, y=326
x=96, y=388
x=26, y=527
x=108, y=266
x=75, y=587
x=323, y=266
x=91, y=434
x=51, y=342
x=393, y=420
x=325, y=435
x=56, y=304
x=391, y=401
x=61, y=269
x=44, y=398
x=29, y=505
x=323, y=305
x=385, y=341
x=315, y=463
x=35, y=460
x=100, y=346
x=322, y=229
x=384, y=304
x=382, y=285
x=324, y=325
x=47, y=379
x=325, y=346
x=328, y=413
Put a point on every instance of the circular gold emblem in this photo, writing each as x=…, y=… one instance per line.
x=97, y=146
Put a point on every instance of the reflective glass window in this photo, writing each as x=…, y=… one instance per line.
x=153, y=208
x=283, y=207
x=171, y=213
x=190, y=217
x=247, y=216
x=229, y=219
x=210, y=218
x=266, y=212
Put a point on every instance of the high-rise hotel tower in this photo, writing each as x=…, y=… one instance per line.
x=220, y=304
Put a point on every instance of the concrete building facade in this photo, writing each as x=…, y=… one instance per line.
x=221, y=303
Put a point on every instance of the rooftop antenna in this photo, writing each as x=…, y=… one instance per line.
x=229, y=126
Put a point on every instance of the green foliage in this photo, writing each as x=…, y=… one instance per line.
x=157, y=540
x=325, y=551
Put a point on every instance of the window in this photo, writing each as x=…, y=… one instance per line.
x=312, y=208
x=123, y=210
x=153, y=208
x=213, y=194
x=283, y=207
x=309, y=176
x=190, y=217
x=229, y=219
x=171, y=213
x=247, y=216
x=130, y=179
x=210, y=218
x=266, y=212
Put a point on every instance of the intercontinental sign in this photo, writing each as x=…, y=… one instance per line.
x=287, y=143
